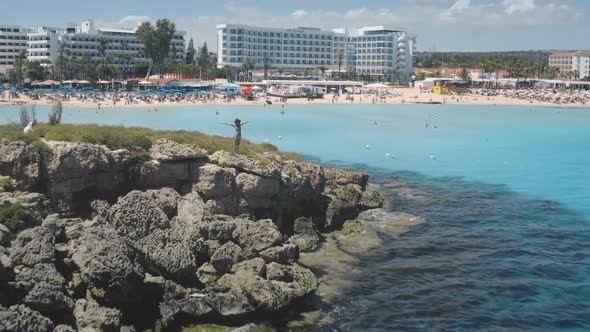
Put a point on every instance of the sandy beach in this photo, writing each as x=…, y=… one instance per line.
x=396, y=96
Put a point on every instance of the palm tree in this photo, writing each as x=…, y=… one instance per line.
x=323, y=69
x=266, y=64
x=465, y=75
x=20, y=62
x=496, y=65
x=61, y=49
x=102, y=49
x=576, y=75
x=340, y=59
x=123, y=59
x=515, y=70
x=247, y=67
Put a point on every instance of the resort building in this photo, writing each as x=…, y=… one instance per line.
x=43, y=44
x=13, y=44
x=571, y=64
x=122, y=46
x=382, y=52
x=374, y=51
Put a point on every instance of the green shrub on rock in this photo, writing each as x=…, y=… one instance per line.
x=6, y=184
x=11, y=215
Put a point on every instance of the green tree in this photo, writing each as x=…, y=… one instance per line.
x=465, y=75
x=247, y=67
x=124, y=59
x=266, y=65
x=141, y=69
x=35, y=71
x=103, y=44
x=156, y=40
x=576, y=75
x=340, y=58
x=191, y=53
x=228, y=72
x=204, y=61
x=61, y=49
x=19, y=66
x=323, y=69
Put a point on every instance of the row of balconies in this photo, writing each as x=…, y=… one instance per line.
x=13, y=44
x=327, y=36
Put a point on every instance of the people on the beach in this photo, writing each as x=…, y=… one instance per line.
x=237, y=125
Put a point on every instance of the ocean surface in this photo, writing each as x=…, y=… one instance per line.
x=505, y=192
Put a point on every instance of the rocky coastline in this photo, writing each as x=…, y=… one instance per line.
x=109, y=241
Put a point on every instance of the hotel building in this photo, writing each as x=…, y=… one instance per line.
x=569, y=62
x=13, y=43
x=122, y=45
x=42, y=44
x=370, y=50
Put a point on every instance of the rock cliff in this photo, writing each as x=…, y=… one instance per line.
x=109, y=238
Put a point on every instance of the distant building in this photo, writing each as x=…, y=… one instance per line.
x=570, y=63
x=374, y=51
x=43, y=44
x=13, y=44
x=122, y=45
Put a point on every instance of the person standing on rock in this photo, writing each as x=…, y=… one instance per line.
x=238, y=136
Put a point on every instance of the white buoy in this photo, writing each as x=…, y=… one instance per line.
x=387, y=156
x=506, y=163
x=29, y=128
x=368, y=147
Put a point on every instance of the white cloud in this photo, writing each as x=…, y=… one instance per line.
x=125, y=22
x=513, y=6
x=429, y=18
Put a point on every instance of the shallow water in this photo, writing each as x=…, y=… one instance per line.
x=505, y=197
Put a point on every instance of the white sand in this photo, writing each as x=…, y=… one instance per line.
x=402, y=96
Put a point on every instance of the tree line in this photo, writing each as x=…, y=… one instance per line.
x=519, y=64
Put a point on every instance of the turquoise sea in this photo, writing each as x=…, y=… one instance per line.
x=505, y=192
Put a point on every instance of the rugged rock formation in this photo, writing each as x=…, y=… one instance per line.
x=109, y=239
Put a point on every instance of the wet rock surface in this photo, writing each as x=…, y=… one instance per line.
x=108, y=240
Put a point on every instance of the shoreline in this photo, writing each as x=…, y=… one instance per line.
x=404, y=96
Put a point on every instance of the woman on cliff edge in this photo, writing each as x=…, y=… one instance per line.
x=238, y=136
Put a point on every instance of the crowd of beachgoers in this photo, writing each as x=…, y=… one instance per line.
x=397, y=95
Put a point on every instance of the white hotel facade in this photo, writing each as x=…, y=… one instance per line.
x=570, y=62
x=370, y=50
x=42, y=44
x=13, y=43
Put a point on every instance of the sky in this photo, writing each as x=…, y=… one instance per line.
x=441, y=25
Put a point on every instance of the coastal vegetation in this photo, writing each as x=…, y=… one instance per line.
x=11, y=215
x=137, y=140
x=475, y=59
